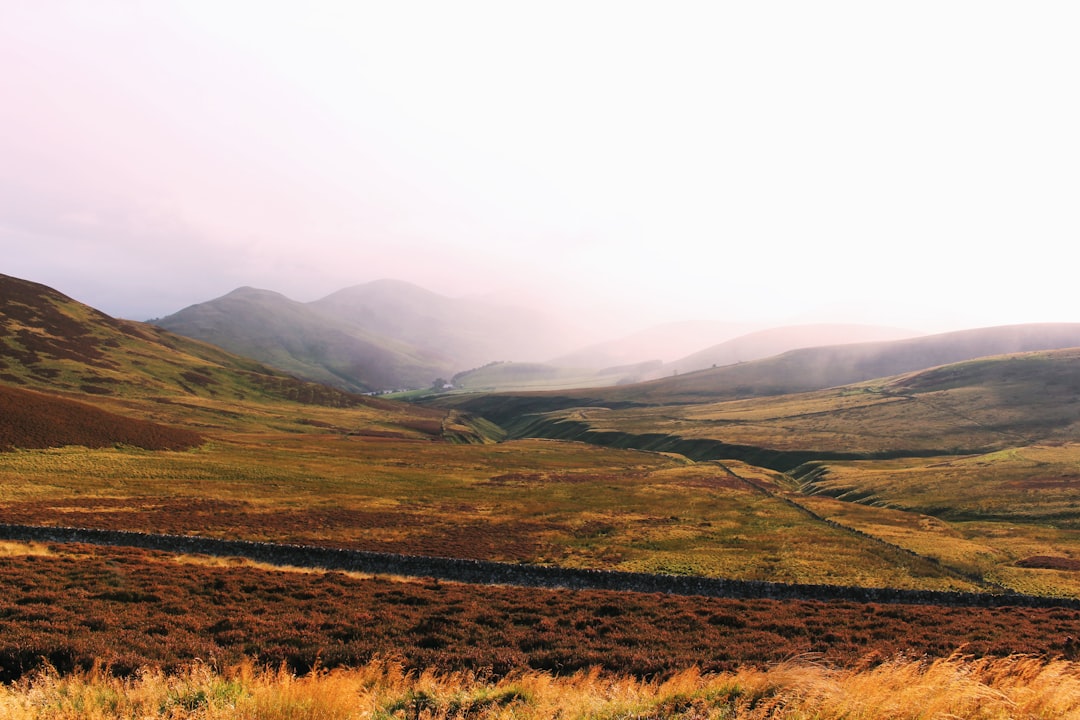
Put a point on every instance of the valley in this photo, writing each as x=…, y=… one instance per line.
x=949, y=478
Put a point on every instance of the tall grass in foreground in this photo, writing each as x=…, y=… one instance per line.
x=957, y=687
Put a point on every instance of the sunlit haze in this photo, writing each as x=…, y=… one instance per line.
x=909, y=164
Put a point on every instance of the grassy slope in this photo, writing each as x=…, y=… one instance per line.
x=967, y=407
x=37, y=420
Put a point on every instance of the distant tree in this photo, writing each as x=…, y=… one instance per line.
x=439, y=384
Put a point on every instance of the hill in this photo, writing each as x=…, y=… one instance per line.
x=976, y=406
x=54, y=344
x=774, y=341
x=510, y=376
x=382, y=335
x=468, y=331
x=834, y=365
x=297, y=338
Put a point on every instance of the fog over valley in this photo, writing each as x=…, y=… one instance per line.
x=615, y=167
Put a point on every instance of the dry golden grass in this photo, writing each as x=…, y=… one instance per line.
x=956, y=687
x=10, y=548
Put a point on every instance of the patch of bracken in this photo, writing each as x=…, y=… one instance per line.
x=31, y=419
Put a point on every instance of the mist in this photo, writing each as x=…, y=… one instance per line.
x=618, y=167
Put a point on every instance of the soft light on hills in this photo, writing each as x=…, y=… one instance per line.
x=773, y=341
x=822, y=367
x=382, y=335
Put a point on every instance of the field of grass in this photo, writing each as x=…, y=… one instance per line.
x=901, y=689
x=535, y=501
x=1012, y=516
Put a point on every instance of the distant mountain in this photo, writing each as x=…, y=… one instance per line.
x=833, y=365
x=665, y=342
x=773, y=341
x=796, y=371
x=382, y=335
x=299, y=339
x=467, y=331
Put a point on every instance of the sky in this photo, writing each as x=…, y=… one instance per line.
x=913, y=164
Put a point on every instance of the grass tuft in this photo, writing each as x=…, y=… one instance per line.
x=955, y=687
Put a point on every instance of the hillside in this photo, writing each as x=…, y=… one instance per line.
x=382, y=335
x=502, y=376
x=54, y=344
x=297, y=338
x=468, y=331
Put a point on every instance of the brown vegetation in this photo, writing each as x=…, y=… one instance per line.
x=132, y=609
x=36, y=420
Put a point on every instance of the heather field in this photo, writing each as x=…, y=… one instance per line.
x=70, y=606
x=537, y=501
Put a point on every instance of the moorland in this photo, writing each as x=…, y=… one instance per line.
x=952, y=476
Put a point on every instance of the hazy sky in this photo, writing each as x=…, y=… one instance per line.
x=910, y=163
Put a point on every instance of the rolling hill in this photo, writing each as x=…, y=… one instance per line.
x=774, y=341
x=666, y=342
x=830, y=366
x=975, y=406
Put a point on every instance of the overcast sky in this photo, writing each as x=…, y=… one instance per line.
x=904, y=163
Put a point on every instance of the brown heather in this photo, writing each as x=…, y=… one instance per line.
x=72, y=607
x=36, y=420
